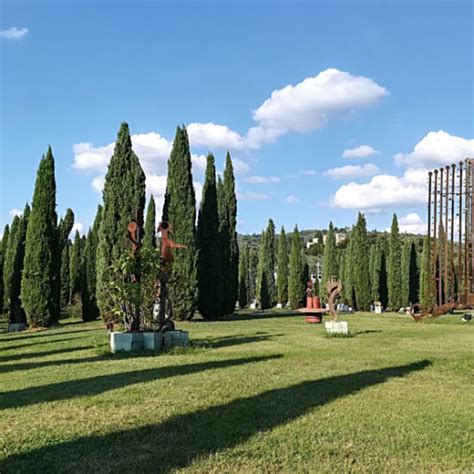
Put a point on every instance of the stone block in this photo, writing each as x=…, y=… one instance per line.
x=16, y=327
x=176, y=338
x=126, y=341
x=152, y=341
x=333, y=327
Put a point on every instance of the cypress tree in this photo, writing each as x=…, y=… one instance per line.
x=282, y=270
x=14, y=260
x=410, y=277
x=3, y=251
x=374, y=264
x=243, y=276
x=360, y=265
x=330, y=269
x=394, y=267
x=149, y=239
x=383, y=274
x=124, y=200
x=90, y=310
x=64, y=229
x=270, y=260
x=414, y=272
x=75, y=270
x=427, y=279
x=263, y=295
x=228, y=232
x=39, y=281
x=210, y=294
x=180, y=211
x=295, y=286
x=252, y=267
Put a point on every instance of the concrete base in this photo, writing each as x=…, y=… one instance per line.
x=16, y=327
x=126, y=341
x=152, y=341
x=333, y=327
x=279, y=306
x=176, y=338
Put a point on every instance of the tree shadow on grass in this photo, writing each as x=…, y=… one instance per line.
x=250, y=316
x=368, y=331
x=103, y=383
x=34, y=355
x=36, y=335
x=228, y=341
x=38, y=343
x=176, y=443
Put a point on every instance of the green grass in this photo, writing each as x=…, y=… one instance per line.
x=261, y=393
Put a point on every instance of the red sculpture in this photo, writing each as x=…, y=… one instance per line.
x=167, y=245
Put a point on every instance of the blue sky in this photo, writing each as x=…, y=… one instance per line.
x=328, y=108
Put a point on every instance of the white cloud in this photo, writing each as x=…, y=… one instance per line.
x=350, y=171
x=383, y=191
x=240, y=167
x=251, y=196
x=412, y=224
x=262, y=179
x=98, y=183
x=360, y=152
x=14, y=33
x=437, y=149
x=89, y=157
x=199, y=161
x=15, y=212
x=309, y=172
x=78, y=226
x=292, y=199
x=310, y=104
x=213, y=136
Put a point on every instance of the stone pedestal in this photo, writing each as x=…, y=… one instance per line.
x=175, y=338
x=333, y=327
x=152, y=341
x=126, y=341
x=16, y=327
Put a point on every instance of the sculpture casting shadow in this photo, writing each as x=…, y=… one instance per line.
x=199, y=433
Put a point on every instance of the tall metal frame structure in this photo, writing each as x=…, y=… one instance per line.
x=451, y=232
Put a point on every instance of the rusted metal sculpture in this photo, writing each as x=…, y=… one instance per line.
x=167, y=257
x=333, y=288
x=451, y=237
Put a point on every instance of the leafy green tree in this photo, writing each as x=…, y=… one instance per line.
x=374, y=266
x=76, y=270
x=243, y=276
x=64, y=229
x=39, y=281
x=330, y=261
x=395, y=267
x=149, y=239
x=383, y=274
x=3, y=251
x=282, y=270
x=13, y=268
x=410, y=273
x=427, y=278
x=252, y=267
x=124, y=200
x=227, y=205
x=263, y=295
x=210, y=283
x=360, y=264
x=180, y=211
x=90, y=310
x=295, y=283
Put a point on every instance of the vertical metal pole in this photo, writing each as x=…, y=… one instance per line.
x=446, y=232
x=466, y=231
x=441, y=242
x=453, y=196
x=435, y=223
x=460, y=233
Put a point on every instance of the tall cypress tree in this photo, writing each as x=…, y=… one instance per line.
x=228, y=232
x=270, y=260
x=76, y=270
x=282, y=270
x=414, y=272
x=383, y=274
x=295, y=284
x=330, y=269
x=394, y=267
x=180, y=211
x=361, y=264
x=90, y=310
x=149, y=239
x=405, y=269
x=14, y=260
x=243, y=276
x=124, y=200
x=64, y=229
x=262, y=287
x=427, y=279
x=374, y=266
x=252, y=267
x=3, y=251
x=39, y=281
x=210, y=282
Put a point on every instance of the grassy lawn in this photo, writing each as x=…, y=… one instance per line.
x=259, y=393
